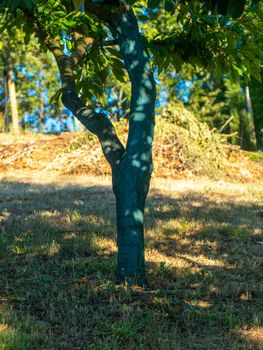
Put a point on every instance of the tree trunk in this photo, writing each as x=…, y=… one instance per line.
x=12, y=92
x=42, y=103
x=251, y=142
x=6, y=116
x=131, y=167
x=132, y=178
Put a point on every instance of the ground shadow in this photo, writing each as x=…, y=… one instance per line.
x=58, y=260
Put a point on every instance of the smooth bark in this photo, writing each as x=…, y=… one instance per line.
x=11, y=87
x=41, y=103
x=132, y=178
x=13, y=101
x=6, y=116
x=131, y=167
x=248, y=126
x=97, y=123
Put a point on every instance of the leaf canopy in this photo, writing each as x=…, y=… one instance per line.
x=223, y=36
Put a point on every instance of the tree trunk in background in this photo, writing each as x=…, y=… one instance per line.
x=12, y=96
x=256, y=91
x=6, y=116
x=42, y=103
x=11, y=88
x=248, y=134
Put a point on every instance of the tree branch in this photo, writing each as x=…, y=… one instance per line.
x=126, y=31
x=82, y=44
x=97, y=123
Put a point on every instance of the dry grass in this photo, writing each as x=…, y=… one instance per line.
x=204, y=244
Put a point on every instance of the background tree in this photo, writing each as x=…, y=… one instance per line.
x=37, y=83
x=8, y=44
x=222, y=43
x=30, y=75
x=215, y=100
x=256, y=91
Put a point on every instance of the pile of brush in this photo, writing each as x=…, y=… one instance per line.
x=183, y=146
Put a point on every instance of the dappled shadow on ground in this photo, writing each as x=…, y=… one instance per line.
x=58, y=252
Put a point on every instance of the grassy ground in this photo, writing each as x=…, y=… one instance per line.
x=204, y=252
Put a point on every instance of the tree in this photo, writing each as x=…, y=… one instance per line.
x=35, y=86
x=218, y=101
x=37, y=83
x=256, y=90
x=9, y=84
x=79, y=41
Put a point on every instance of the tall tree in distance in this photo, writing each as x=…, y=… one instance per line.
x=30, y=80
x=5, y=114
x=10, y=86
x=256, y=90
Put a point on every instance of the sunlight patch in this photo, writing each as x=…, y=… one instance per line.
x=3, y=327
x=106, y=244
x=54, y=248
x=49, y=214
x=199, y=303
x=254, y=336
x=202, y=260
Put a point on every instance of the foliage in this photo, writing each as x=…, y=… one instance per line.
x=175, y=32
x=180, y=32
x=36, y=74
x=218, y=101
x=37, y=79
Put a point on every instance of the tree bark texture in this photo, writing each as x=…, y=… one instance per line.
x=131, y=167
x=11, y=91
x=248, y=125
x=13, y=102
x=6, y=116
x=132, y=178
x=41, y=103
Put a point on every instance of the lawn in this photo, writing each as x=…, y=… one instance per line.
x=204, y=254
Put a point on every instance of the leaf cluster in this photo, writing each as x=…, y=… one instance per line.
x=222, y=36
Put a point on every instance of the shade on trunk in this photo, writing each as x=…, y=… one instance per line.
x=131, y=165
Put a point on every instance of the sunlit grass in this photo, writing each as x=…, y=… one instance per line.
x=204, y=244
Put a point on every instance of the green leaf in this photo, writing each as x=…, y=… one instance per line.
x=115, y=52
x=119, y=74
x=56, y=96
x=238, y=69
x=256, y=74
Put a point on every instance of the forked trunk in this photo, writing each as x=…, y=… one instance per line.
x=131, y=167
